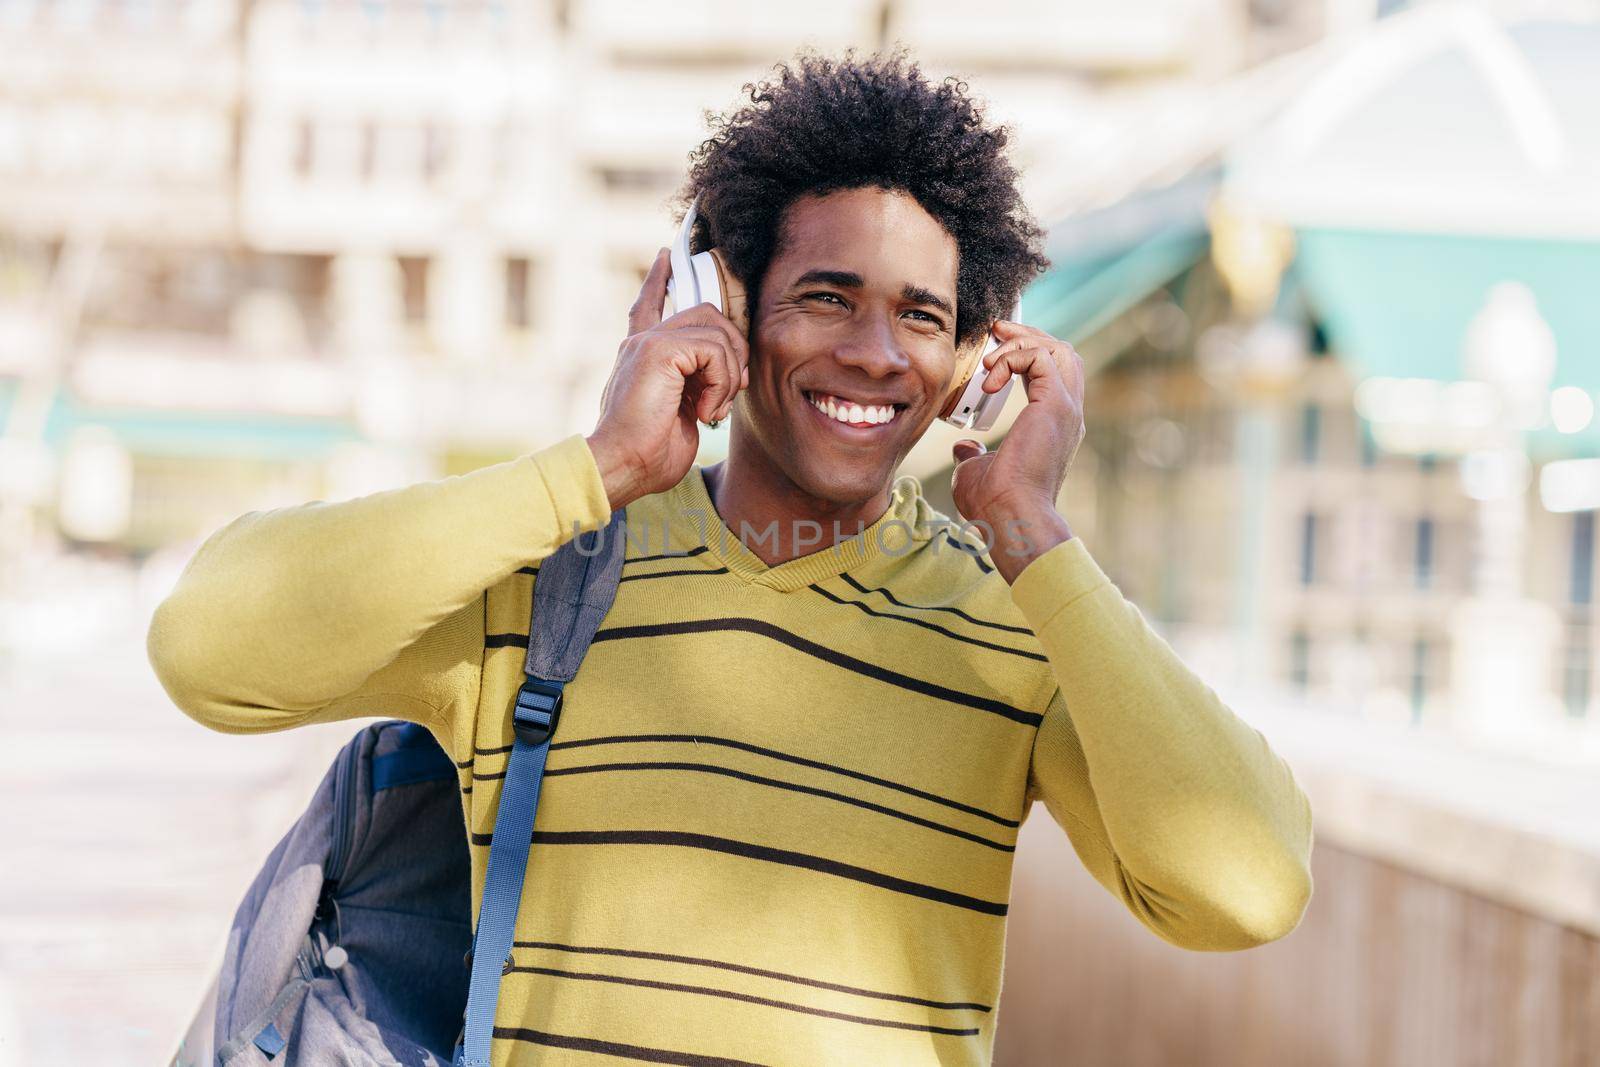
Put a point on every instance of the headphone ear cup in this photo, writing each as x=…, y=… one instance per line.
x=735, y=302
x=967, y=361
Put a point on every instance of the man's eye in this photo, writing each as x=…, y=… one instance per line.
x=931, y=318
x=829, y=296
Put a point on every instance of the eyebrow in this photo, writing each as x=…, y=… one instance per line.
x=849, y=279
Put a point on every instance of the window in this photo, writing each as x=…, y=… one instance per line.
x=414, y=276
x=1310, y=432
x=1369, y=444
x=1575, y=672
x=518, y=299
x=1421, y=652
x=618, y=179
x=1423, y=560
x=1308, y=548
x=1582, y=557
x=1300, y=660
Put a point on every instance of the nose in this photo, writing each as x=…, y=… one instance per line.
x=872, y=347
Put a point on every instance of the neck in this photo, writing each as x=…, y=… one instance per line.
x=774, y=517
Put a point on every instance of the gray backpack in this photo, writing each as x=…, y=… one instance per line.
x=354, y=944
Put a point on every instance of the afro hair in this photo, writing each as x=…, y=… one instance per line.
x=820, y=125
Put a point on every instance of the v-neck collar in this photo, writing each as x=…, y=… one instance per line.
x=894, y=533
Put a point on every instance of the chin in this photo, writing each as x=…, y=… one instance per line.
x=854, y=484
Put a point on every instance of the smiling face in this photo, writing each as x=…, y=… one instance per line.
x=854, y=345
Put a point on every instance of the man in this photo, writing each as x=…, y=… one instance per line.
x=783, y=799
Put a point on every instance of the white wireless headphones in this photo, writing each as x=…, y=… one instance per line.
x=974, y=409
x=704, y=276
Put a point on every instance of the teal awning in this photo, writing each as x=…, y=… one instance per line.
x=1103, y=262
x=199, y=435
x=1397, y=304
x=1075, y=300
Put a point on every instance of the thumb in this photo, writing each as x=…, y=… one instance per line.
x=966, y=448
x=647, y=309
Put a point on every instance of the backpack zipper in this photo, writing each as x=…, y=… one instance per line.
x=344, y=803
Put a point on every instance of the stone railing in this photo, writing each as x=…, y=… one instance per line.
x=1455, y=920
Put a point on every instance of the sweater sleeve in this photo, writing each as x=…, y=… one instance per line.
x=1172, y=802
x=371, y=606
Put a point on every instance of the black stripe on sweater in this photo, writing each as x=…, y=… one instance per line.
x=745, y=746
x=931, y=626
x=672, y=574
x=505, y=641
x=897, y=602
x=712, y=768
x=764, y=853
x=965, y=549
x=759, y=972
x=728, y=994
x=615, y=1048
x=762, y=628
x=639, y=559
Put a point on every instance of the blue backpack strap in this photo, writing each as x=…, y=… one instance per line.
x=575, y=588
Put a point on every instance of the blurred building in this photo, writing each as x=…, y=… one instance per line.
x=276, y=250
x=261, y=251
x=1349, y=447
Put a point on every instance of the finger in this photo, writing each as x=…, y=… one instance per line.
x=1006, y=329
x=709, y=315
x=1032, y=339
x=1014, y=344
x=1066, y=357
x=966, y=449
x=646, y=310
x=1041, y=374
x=738, y=356
x=693, y=405
x=708, y=369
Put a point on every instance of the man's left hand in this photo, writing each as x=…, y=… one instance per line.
x=1013, y=489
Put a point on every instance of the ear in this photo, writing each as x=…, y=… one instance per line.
x=735, y=302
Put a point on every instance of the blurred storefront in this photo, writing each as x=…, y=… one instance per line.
x=1345, y=461
x=1343, y=378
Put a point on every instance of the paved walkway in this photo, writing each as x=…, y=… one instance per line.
x=129, y=832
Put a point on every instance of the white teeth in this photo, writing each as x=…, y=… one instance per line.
x=876, y=415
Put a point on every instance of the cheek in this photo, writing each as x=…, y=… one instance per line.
x=936, y=373
x=780, y=332
x=778, y=347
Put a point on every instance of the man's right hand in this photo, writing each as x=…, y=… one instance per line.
x=669, y=375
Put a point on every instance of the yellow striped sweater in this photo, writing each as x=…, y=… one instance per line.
x=782, y=802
